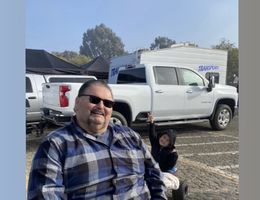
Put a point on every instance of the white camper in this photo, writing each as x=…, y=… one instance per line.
x=207, y=62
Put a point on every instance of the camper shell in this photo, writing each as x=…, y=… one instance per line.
x=207, y=62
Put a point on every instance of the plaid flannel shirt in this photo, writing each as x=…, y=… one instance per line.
x=71, y=164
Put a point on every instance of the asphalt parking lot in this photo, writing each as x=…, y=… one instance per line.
x=208, y=160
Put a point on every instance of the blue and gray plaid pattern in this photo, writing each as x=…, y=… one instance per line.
x=71, y=164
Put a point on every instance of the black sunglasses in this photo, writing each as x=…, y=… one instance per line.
x=95, y=100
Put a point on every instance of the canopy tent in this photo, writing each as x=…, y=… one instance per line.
x=98, y=67
x=42, y=62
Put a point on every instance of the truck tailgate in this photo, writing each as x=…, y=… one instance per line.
x=52, y=93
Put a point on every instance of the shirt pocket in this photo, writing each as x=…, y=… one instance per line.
x=128, y=162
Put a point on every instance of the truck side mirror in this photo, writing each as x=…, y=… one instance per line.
x=211, y=84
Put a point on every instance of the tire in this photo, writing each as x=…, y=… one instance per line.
x=222, y=117
x=118, y=118
x=182, y=192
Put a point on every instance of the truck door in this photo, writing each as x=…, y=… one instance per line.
x=167, y=96
x=198, y=101
x=32, y=100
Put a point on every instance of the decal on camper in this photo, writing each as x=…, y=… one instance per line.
x=208, y=68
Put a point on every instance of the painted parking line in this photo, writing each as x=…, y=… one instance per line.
x=220, y=167
x=212, y=191
x=206, y=136
x=206, y=143
x=227, y=167
x=230, y=136
x=210, y=154
x=214, y=170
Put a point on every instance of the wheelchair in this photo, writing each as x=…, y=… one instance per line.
x=182, y=192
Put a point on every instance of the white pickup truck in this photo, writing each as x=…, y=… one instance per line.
x=34, y=92
x=174, y=95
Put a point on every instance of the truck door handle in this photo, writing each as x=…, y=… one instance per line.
x=158, y=91
x=189, y=91
x=34, y=97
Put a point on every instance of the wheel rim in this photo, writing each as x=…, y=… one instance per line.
x=223, y=118
x=115, y=121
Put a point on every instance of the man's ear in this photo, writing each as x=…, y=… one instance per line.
x=76, y=104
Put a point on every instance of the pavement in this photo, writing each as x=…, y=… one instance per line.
x=208, y=160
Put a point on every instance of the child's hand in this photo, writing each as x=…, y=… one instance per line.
x=150, y=118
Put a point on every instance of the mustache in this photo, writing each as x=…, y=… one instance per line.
x=97, y=111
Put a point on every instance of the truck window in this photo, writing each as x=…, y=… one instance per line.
x=165, y=75
x=210, y=74
x=28, y=85
x=68, y=79
x=189, y=77
x=136, y=75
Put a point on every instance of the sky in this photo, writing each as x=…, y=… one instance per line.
x=58, y=25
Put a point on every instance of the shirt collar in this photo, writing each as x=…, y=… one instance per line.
x=82, y=132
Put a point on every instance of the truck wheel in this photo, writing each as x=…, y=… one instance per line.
x=118, y=118
x=222, y=117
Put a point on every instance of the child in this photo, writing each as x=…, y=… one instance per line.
x=163, y=147
x=164, y=152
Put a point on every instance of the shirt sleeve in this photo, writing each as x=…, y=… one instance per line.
x=153, y=175
x=45, y=180
x=152, y=133
x=173, y=157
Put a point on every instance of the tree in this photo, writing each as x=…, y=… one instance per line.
x=101, y=41
x=232, y=61
x=72, y=57
x=162, y=42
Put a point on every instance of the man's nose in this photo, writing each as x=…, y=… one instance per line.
x=100, y=104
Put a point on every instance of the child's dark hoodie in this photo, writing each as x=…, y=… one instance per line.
x=165, y=156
